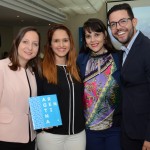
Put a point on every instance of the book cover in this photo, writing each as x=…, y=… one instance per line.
x=45, y=111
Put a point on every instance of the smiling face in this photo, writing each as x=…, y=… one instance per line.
x=60, y=45
x=123, y=34
x=28, y=47
x=95, y=41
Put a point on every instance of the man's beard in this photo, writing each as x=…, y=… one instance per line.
x=126, y=42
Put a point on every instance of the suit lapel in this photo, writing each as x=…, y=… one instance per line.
x=134, y=49
x=129, y=58
x=83, y=63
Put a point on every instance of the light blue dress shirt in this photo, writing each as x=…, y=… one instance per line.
x=127, y=49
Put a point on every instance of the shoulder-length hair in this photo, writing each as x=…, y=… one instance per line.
x=13, y=55
x=49, y=62
x=96, y=25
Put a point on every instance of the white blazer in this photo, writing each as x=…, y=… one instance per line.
x=15, y=118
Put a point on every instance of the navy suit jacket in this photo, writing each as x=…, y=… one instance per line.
x=135, y=79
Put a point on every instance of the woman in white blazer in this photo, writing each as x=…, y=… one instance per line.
x=17, y=84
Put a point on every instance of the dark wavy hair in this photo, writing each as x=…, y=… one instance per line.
x=96, y=25
x=13, y=55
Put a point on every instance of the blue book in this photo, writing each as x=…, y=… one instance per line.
x=45, y=111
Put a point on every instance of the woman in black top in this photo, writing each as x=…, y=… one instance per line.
x=60, y=77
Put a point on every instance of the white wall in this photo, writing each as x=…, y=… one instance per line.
x=6, y=39
x=8, y=33
x=73, y=23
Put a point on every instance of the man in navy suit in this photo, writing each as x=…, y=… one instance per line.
x=135, y=78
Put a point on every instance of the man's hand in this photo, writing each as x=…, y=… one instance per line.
x=146, y=145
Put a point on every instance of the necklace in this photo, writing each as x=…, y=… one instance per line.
x=99, y=54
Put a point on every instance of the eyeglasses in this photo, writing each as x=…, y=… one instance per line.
x=122, y=22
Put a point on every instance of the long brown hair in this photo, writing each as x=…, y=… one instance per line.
x=49, y=62
x=13, y=55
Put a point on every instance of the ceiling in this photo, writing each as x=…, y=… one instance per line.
x=44, y=12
